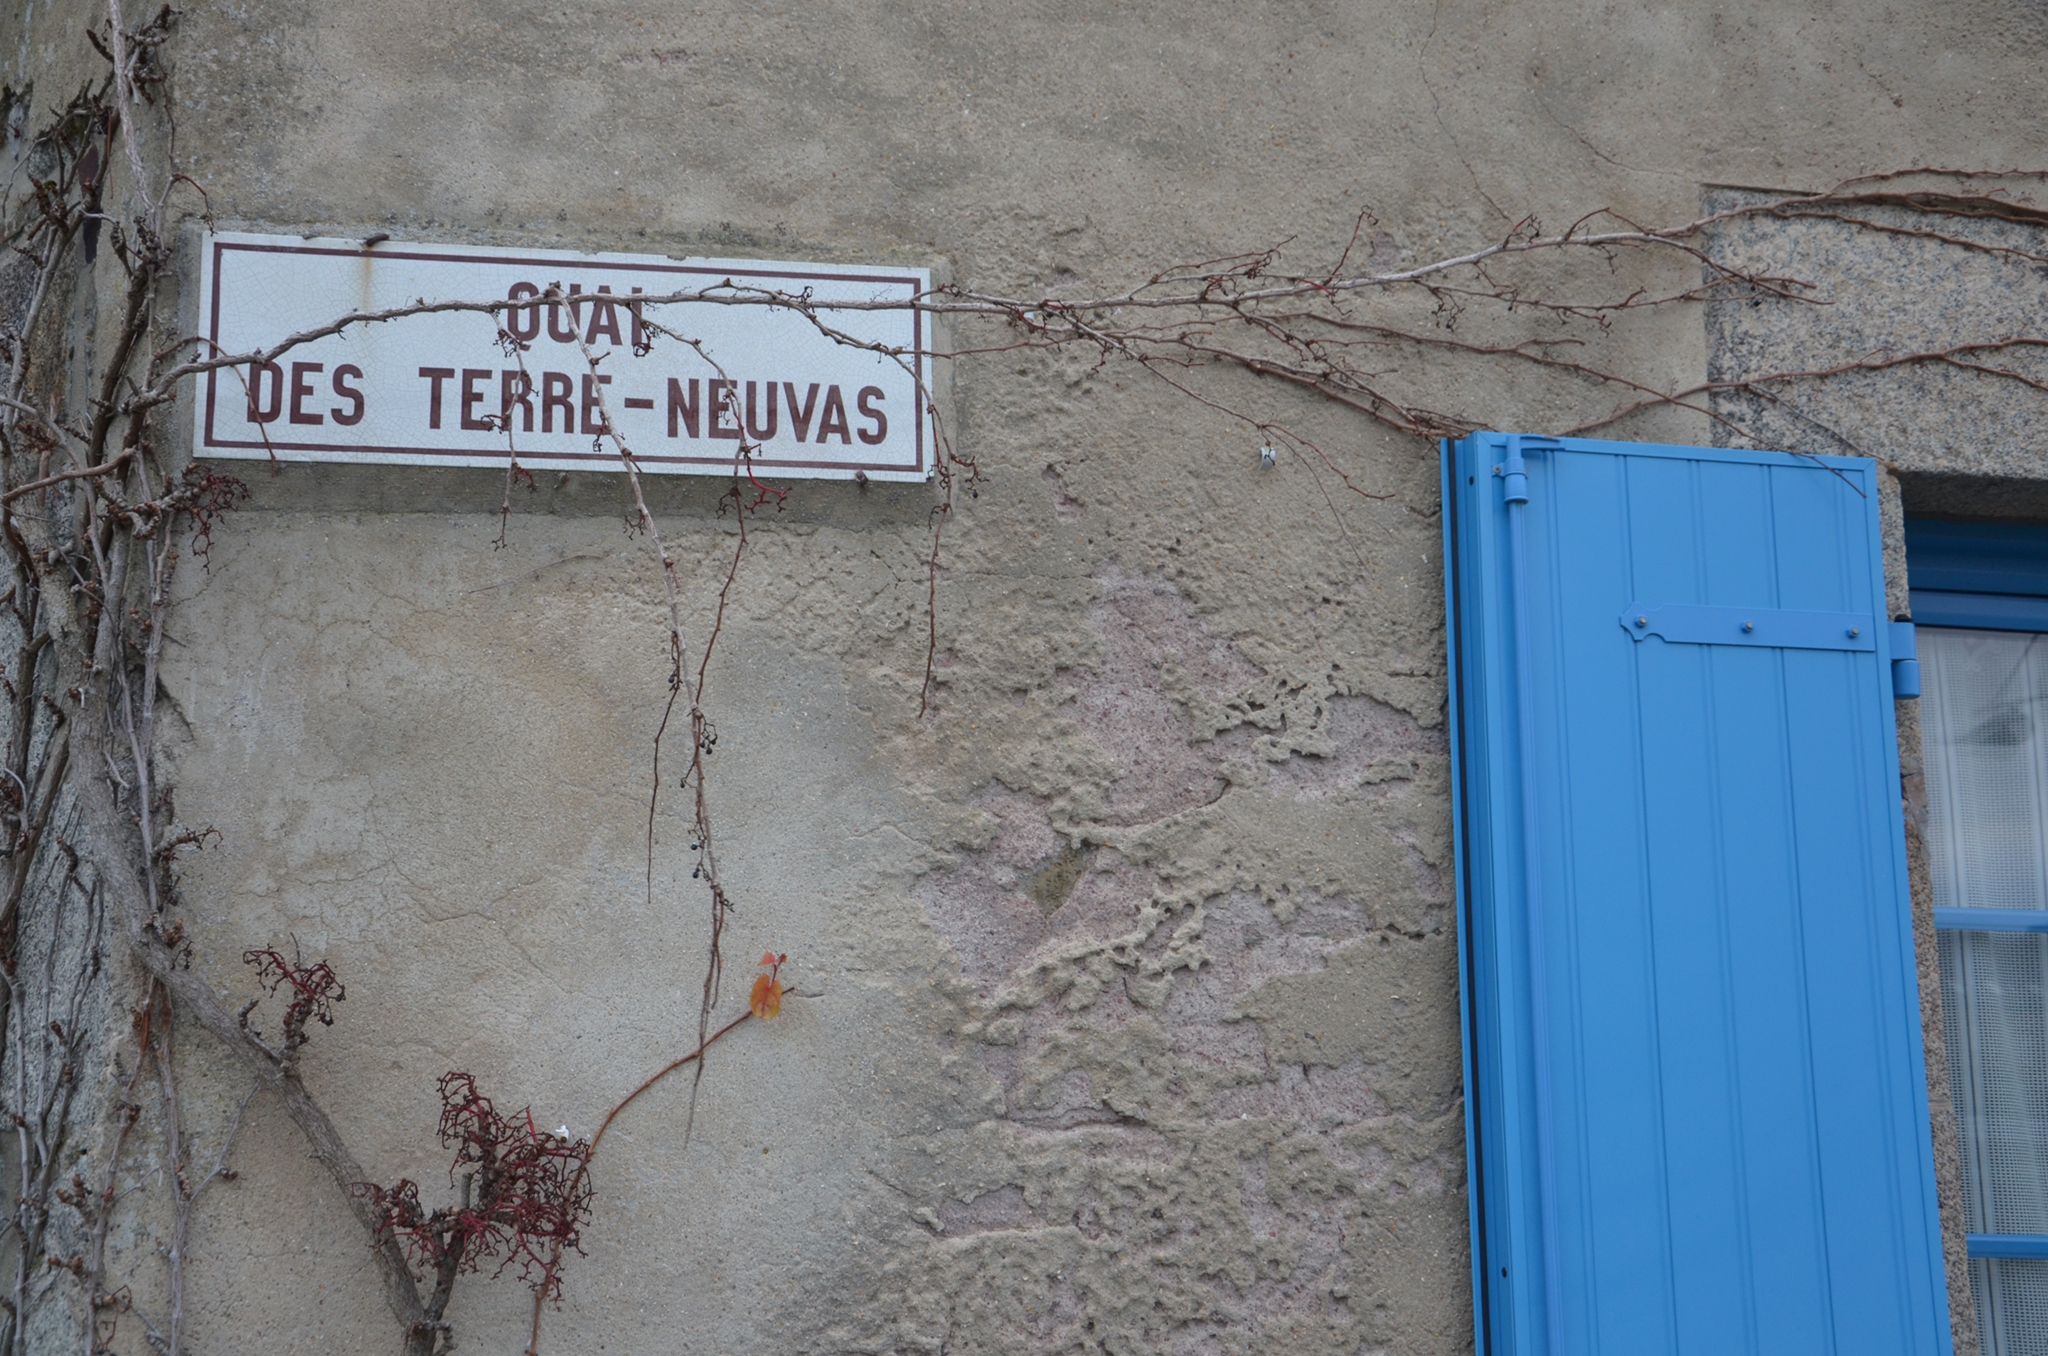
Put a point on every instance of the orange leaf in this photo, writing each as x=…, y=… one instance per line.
x=767, y=997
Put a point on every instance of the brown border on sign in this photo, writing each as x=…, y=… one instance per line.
x=430, y=456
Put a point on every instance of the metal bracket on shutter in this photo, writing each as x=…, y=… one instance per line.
x=1684, y=624
x=1905, y=661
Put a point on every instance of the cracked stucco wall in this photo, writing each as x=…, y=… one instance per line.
x=1127, y=1015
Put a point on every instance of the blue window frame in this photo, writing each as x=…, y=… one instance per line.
x=1980, y=595
x=1986, y=576
x=1696, y=1101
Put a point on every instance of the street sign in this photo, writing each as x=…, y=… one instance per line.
x=473, y=389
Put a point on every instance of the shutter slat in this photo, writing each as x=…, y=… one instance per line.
x=1614, y=978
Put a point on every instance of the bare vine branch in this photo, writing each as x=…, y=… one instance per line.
x=96, y=519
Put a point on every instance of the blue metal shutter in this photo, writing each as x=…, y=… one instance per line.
x=1697, y=1109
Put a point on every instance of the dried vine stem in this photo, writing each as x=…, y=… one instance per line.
x=93, y=514
x=185, y=1193
x=1330, y=332
x=695, y=1057
x=681, y=682
x=1175, y=316
x=91, y=525
x=94, y=517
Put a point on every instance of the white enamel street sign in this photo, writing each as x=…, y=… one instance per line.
x=443, y=390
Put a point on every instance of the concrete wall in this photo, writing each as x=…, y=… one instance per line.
x=1128, y=1015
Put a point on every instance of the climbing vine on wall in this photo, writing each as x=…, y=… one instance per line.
x=98, y=514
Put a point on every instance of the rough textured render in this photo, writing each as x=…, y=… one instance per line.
x=1126, y=991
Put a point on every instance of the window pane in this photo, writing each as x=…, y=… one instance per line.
x=1985, y=731
x=1986, y=734
x=2012, y=1306
x=1994, y=992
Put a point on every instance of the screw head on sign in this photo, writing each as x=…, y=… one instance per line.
x=1855, y=631
x=1642, y=621
x=1749, y=626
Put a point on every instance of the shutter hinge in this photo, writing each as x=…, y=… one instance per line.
x=1514, y=471
x=1682, y=624
x=1905, y=661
